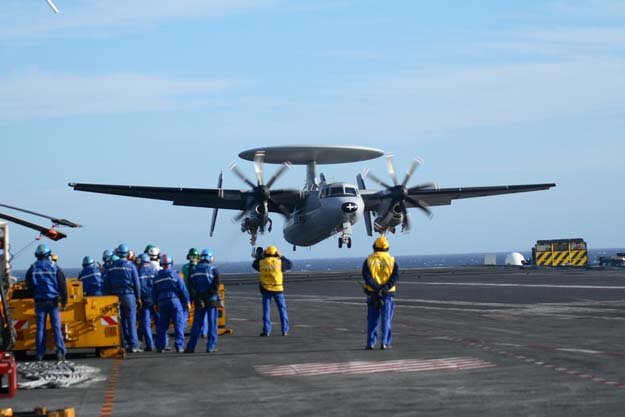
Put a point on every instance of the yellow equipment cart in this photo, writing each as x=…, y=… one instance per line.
x=86, y=322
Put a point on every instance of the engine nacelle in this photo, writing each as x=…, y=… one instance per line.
x=392, y=219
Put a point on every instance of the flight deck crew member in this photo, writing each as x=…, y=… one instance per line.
x=46, y=282
x=147, y=313
x=169, y=294
x=123, y=280
x=91, y=277
x=193, y=256
x=380, y=274
x=271, y=267
x=204, y=286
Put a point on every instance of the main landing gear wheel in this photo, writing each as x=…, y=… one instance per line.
x=345, y=240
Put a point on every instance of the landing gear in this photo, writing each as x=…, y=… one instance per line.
x=345, y=240
x=294, y=248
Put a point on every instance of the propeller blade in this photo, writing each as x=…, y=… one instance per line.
x=423, y=186
x=406, y=217
x=52, y=6
x=240, y=216
x=283, y=168
x=377, y=180
x=391, y=168
x=421, y=205
x=241, y=175
x=259, y=157
x=415, y=163
x=213, y=221
x=63, y=222
x=367, y=215
x=220, y=181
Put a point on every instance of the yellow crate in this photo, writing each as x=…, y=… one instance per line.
x=221, y=319
x=86, y=322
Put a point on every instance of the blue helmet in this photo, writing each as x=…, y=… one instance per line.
x=166, y=260
x=42, y=251
x=143, y=259
x=115, y=258
x=107, y=255
x=87, y=260
x=207, y=254
x=122, y=250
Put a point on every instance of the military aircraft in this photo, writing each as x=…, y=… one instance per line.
x=320, y=209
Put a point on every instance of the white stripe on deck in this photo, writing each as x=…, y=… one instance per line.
x=368, y=367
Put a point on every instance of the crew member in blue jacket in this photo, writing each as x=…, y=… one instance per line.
x=204, y=286
x=46, y=282
x=169, y=294
x=91, y=277
x=122, y=280
x=147, y=313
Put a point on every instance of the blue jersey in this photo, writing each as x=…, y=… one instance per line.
x=204, y=280
x=168, y=285
x=91, y=278
x=122, y=278
x=146, y=280
x=46, y=281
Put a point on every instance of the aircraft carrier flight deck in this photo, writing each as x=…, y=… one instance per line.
x=466, y=341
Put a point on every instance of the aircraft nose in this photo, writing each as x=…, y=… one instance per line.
x=349, y=207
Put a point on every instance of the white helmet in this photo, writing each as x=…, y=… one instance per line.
x=154, y=252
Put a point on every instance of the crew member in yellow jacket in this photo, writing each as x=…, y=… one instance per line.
x=380, y=274
x=271, y=266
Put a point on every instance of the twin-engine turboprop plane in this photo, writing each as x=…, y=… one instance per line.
x=320, y=209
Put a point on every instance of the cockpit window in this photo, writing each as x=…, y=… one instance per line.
x=350, y=191
x=336, y=191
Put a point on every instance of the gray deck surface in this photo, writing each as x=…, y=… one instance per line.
x=534, y=343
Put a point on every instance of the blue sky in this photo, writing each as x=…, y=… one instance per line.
x=168, y=93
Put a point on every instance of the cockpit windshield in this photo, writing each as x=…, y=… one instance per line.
x=339, y=191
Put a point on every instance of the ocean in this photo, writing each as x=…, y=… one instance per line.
x=347, y=264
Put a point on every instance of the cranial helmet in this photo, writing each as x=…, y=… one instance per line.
x=166, y=260
x=381, y=244
x=87, y=260
x=42, y=251
x=193, y=254
x=271, y=251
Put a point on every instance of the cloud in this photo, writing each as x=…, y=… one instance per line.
x=38, y=93
x=98, y=17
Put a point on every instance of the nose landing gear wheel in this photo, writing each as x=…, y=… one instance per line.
x=340, y=242
x=349, y=242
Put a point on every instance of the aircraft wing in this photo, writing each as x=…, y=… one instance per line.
x=194, y=197
x=444, y=196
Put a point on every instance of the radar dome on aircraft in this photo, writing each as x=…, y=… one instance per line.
x=515, y=259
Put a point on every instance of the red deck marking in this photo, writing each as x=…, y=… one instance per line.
x=109, y=396
x=368, y=367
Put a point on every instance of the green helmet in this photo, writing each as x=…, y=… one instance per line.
x=148, y=248
x=193, y=254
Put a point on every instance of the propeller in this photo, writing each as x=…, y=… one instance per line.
x=220, y=181
x=399, y=194
x=367, y=213
x=260, y=191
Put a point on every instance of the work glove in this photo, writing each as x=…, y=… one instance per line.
x=62, y=306
x=188, y=306
x=139, y=303
x=202, y=304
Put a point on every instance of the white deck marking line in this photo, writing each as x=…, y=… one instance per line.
x=367, y=367
x=491, y=284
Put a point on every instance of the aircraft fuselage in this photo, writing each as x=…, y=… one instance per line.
x=332, y=209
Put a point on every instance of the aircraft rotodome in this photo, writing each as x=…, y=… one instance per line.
x=320, y=209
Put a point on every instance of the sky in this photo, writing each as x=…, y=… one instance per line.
x=168, y=93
